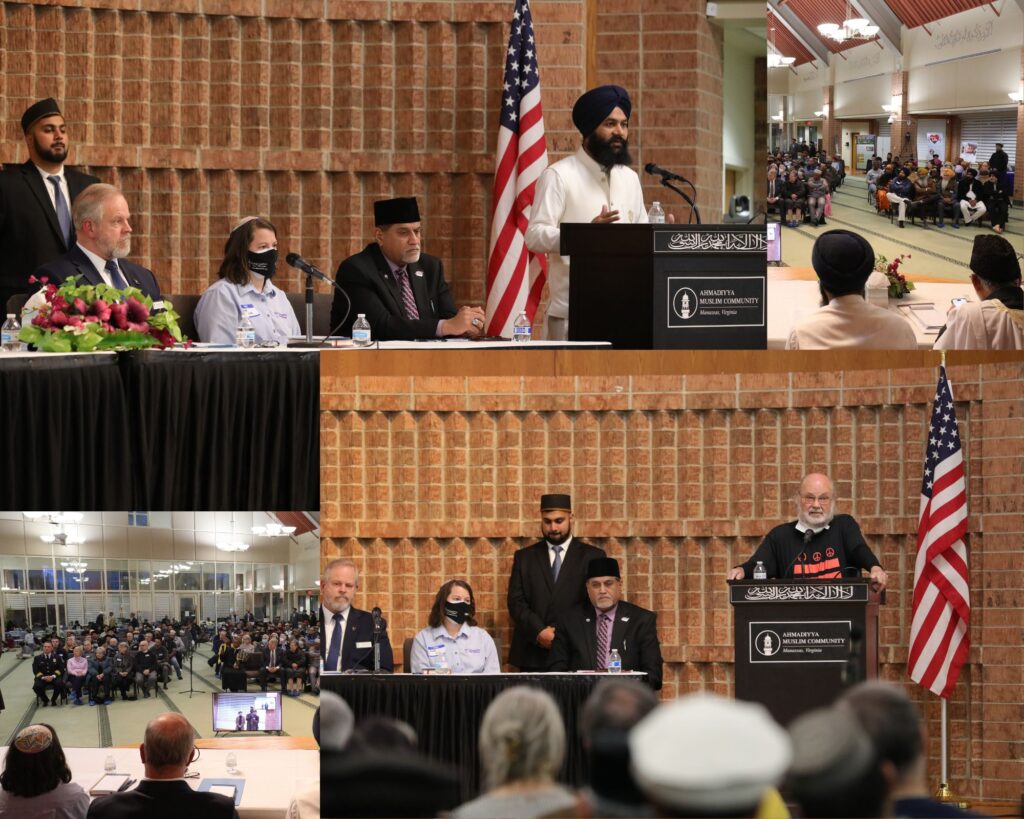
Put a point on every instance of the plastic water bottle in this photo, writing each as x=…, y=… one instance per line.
x=11, y=329
x=361, y=331
x=438, y=660
x=614, y=662
x=245, y=333
x=522, y=331
x=656, y=215
x=760, y=573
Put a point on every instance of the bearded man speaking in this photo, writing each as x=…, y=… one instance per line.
x=818, y=545
x=595, y=184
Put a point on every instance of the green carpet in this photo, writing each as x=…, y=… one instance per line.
x=933, y=251
x=124, y=722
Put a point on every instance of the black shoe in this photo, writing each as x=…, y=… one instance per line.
x=44, y=704
x=901, y=223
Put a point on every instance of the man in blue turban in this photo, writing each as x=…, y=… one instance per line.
x=595, y=184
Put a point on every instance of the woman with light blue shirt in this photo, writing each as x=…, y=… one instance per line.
x=244, y=285
x=452, y=643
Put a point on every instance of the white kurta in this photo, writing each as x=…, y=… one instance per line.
x=983, y=325
x=849, y=321
x=574, y=190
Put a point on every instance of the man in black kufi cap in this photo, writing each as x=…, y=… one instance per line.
x=996, y=321
x=401, y=290
x=595, y=184
x=547, y=579
x=843, y=261
x=36, y=199
x=586, y=634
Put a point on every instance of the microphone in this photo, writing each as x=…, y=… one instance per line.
x=655, y=170
x=851, y=670
x=807, y=539
x=296, y=261
x=378, y=622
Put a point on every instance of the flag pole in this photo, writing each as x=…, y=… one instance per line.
x=944, y=793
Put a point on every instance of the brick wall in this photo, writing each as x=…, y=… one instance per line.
x=426, y=478
x=308, y=110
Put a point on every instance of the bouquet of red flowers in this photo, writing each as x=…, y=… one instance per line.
x=899, y=285
x=82, y=318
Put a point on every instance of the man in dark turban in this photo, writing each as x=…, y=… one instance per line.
x=595, y=184
x=843, y=261
x=36, y=199
x=996, y=321
x=401, y=291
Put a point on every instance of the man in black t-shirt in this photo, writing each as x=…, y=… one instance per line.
x=818, y=545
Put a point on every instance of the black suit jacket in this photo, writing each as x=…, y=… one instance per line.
x=172, y=799
x=374, y=291
x=76, y=263
x=29, y=231
x=358, y=629
x=535, y=601
x=634, y=634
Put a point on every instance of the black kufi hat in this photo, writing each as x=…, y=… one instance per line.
x=36, y=111
x=994, y=260
x=603, y=567
x=395, y=211
x=548, y=502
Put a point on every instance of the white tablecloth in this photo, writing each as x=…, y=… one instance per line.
x=466, y=344
x=271, y=777
x=792, y=300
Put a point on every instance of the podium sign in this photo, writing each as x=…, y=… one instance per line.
x=794, y=645
x=668, y=286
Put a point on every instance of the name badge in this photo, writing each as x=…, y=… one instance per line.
x=367, y=644
x=249, y=310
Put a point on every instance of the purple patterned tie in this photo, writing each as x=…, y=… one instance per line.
x=604, y=635
x=408, y=300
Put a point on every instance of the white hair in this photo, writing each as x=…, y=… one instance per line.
x=521, y=737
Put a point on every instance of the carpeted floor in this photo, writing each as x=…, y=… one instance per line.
x=124, y=722
x=933, y=252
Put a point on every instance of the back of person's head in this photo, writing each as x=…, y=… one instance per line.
x=608, y=715
x=706, y=755
x=891, y=720
x=385, y=735
x=836, y=771
x=336, y=722
x=843, y=261
x=35, y=762
x=169, y=741
x=521, y=737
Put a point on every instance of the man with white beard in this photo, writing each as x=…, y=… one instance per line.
x=818, y=545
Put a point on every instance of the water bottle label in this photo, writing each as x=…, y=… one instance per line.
x=8, y=337
x=521, y=332
x=362, y=336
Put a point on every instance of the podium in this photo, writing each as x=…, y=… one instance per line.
x=799, y=642
x=665, y=287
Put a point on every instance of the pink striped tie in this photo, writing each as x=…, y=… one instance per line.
x=603, y=639
x=408, y=300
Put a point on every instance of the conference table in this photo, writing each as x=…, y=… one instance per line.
x=199, y=429
x=271, y=779
x=793, y=294
x=446, y=711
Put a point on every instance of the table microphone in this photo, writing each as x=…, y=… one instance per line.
x=296, y=261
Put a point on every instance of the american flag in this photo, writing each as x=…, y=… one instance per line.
x=939, y=640
x=515, y=277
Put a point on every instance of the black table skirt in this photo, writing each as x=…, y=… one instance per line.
x=63, y=440
x=446, y=712
x=153, y=430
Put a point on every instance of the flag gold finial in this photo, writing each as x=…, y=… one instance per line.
x=942, y=360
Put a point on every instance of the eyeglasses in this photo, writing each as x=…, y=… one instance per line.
x=816, y=498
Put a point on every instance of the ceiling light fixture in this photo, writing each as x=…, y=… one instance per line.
x=853, y=28
x=775, y=57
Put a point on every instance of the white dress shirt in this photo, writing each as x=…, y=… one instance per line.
x=49, y=186
x=573, y=190
x=328, y=621
x=100, y=264
x=565, y=551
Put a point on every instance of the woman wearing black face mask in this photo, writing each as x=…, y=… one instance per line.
x=452, y=643
x=244, y=286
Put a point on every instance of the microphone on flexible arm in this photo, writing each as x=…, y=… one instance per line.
x=851, y=670
x=807, y=539
x=667, y=177
x=312, y=272
x=377, y=629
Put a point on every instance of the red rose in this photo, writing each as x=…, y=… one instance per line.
x=119, y=315
x=100, y=309
x=75, y=321
x=58, y=318
x=80, y=306
x=137, y=311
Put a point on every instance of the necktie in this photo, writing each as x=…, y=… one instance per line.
x=116, y=279
x=408, y=300
x=334, y=650
x=604, y=635
x=556, y=567
x=63, y=214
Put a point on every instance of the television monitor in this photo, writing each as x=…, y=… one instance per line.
x=258, y=711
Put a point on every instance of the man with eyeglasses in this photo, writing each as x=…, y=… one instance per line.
x=818, y=545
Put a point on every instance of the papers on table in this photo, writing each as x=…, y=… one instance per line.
x=111, y=783
x=925, y=316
